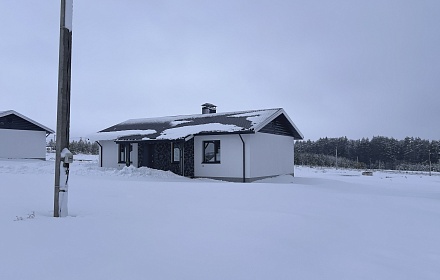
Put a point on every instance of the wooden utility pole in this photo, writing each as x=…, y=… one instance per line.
x=63, y=107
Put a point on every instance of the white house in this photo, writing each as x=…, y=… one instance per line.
x=21, y=137
x=235, y=146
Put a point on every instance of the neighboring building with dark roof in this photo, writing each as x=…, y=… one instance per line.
x=22, y=137
x=234, y=146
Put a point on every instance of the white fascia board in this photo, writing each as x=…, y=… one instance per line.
x=275, y=115
x=268, y=120
x=5, y=113
x=189, y=137
x=293, y=124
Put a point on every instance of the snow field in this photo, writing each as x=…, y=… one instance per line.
x=146, y=224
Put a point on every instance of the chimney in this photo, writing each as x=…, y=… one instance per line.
x=209, y=108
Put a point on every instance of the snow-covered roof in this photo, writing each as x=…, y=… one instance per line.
x=12, y=112
x=180, y=127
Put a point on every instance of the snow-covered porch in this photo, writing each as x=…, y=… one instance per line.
x=168, y=155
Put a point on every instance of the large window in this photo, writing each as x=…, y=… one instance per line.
x=211, y=151
x=175, y=153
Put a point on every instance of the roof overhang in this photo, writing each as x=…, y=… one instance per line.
x=297, y=135
x=12, y=112
x=181, y=139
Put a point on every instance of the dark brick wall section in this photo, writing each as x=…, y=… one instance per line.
x=162, y=157
x=140, y=154
x=189, y=158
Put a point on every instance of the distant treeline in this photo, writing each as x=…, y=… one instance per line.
x=378, y=153
x=79, y=147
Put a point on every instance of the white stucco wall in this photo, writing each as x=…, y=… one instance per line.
x=134, y=155
x=109, y=154
x=270, y=155
x=22, y=144
x=266, y=155
x=231, y=162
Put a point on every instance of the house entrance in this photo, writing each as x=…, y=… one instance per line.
x=147, y=155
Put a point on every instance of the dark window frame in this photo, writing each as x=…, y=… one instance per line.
x=216, y=152
x=122, y=152
x=175, y=146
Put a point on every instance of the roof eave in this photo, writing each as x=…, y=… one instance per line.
x=184, y=138
x=280, y=111
x=250, y=131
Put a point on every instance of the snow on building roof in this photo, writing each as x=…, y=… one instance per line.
x=180, y=127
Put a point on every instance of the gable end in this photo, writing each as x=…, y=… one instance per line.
x=14, y=122
x=279, y=126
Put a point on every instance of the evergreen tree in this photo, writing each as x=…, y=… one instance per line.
x=380, y=152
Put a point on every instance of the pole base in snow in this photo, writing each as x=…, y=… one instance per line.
x=63, y=204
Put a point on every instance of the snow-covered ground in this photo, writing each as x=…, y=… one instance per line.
x=146, y=224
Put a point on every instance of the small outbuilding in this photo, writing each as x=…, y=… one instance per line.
x=235, y=146
x=22, y=137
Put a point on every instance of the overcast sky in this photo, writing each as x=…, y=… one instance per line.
x=338, y=68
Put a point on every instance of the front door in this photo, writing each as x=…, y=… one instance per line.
x=148, y=155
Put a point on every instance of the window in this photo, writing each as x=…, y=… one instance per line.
x=211, y=151
x=175, y=153
x=123, y=156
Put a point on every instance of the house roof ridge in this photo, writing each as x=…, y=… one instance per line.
x=9, y=112
x=191, y=116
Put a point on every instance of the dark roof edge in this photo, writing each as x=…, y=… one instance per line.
x=182, y=138
x=10, y=112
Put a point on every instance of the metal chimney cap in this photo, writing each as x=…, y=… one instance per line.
x=209, y=105
x=209, y=108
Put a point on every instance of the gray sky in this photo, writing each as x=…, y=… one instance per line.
x=339, y=68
